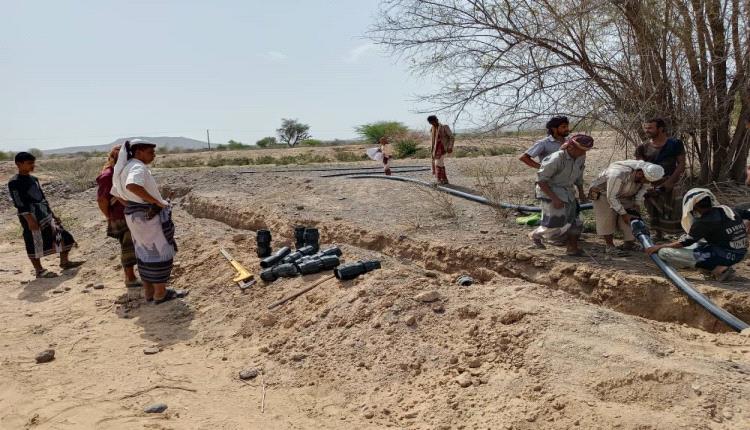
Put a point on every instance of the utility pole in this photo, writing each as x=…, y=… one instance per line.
x=208, y=138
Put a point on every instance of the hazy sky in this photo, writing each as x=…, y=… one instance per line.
x=87, y=72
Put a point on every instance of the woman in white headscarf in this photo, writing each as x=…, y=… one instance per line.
x=716, y=237
x=149, y=218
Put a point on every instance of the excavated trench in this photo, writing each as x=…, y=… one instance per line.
x=649, y=297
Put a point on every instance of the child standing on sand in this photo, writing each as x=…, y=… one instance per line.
x=387, y=151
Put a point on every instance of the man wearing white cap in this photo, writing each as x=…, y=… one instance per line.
x=618, y=194
x=716, y=238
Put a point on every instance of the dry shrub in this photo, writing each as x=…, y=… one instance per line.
x=78, y=174
x=493, y=181
x=439, y=204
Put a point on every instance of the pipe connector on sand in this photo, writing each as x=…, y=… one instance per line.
x=275, y=258
x=351, y=271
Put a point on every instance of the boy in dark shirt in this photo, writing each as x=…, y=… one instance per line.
x=42, y=231
x=718, y=233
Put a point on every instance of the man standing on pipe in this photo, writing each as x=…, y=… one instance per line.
x=556, y=178
x=716, y=237
x=442, y=144
x=618, y=194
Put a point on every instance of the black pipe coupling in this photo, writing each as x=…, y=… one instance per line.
x=286, y=270
x=639, y=228
x=299, y=237
x=298, y=254
x=351, y=271
x=263, y=241
x=317, y=265
x=275, y=258
x=268, y=276
x=312, y=238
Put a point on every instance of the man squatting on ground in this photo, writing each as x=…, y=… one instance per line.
x=148, y=216
x=442, y=144
x=618, y=194
x=663, y=203
x=716, y=236
x=558, y=174
x=557, y=131
x=43, y=232
x=113, y=210
x=387, y=151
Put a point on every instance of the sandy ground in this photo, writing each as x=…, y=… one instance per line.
x=540, y=341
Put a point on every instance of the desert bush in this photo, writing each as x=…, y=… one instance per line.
x=4, y=156
x=374, y=131
x=348, y=156
x=493, y=180
x=405, y=148
x=36, y=152
x=78, y=174
x=265, y=159
x=312, y=142
x=266, y=141
x=228, y=161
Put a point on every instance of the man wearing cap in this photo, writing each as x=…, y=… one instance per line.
x=618, y=194
x=149, y=218
x=556, y=178
x=715, y=238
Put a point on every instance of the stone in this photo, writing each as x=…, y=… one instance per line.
x=67, y=288
x=464, y=380
x=411, y=321
x=299, y=356
x=438, y=308
x=369, y=414
x=58, y=291
x=45, y=356
x=427, y=297
x=156, y=408
x=151, y=350
x=248, y=374
x=99, y=286
x=474, y=363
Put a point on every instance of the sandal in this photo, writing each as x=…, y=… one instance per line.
x=45, y=274
x=612, y=251
x=171, y=294
x=71, y=264
x=628, y=246
x=725, y=275
x=134, y=284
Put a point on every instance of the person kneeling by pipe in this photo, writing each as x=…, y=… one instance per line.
x=618, y=194
x=716, y=237
x=559, y=173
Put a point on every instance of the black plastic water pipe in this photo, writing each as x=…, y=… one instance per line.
x=641, y=232
x=394, y=170
x=329, y=169
x=461, y=194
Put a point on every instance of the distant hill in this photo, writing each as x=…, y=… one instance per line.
x=162, y=142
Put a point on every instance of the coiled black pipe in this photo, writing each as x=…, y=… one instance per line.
x=394, y=170
x=461, y=194
x=641, y=232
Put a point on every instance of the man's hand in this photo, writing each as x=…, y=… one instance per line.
x=557, y=203
x=651, y=249
x=627, y=218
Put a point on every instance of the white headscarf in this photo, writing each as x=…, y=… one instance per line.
x=694, y=196
x=118, y=179
x=652, y=172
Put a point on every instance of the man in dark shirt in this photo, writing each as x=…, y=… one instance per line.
x=718, y=233
x=42, y=231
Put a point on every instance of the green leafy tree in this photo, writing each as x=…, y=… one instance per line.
x=374, y=131
x=266, y=141
x=293, y=132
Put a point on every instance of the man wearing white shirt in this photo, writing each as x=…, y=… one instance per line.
x=149, y=218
